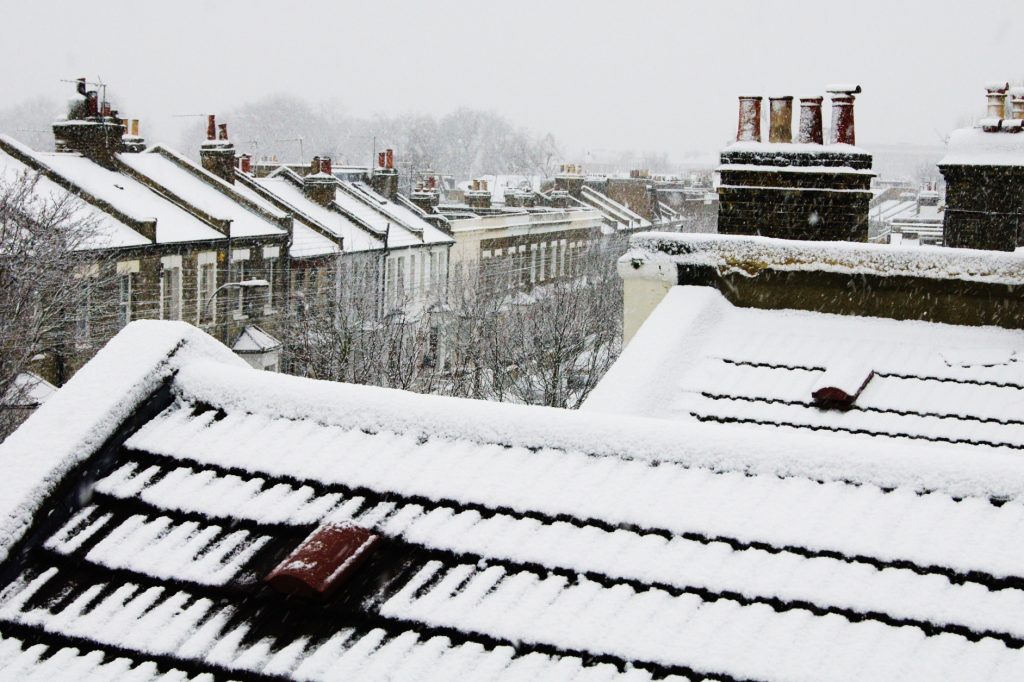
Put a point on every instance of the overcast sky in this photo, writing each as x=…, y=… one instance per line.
x=656, y=75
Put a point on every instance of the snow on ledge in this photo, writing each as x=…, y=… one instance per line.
x=654, y=255
x=70, y=426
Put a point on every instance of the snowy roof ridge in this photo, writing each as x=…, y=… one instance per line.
x=651, y=252
x=70, y=426
x=710, y=446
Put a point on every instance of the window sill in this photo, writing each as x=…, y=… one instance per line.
x=238, y=317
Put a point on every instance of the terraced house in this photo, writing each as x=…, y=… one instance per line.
x=214, y=245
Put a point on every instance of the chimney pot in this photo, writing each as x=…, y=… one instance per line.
x=135, y=127
x=810, y=121
x=842, y=120
x=380, y=159
x=996, y=95
x=749, y=128
x=223, y=130
x=389, y=157
x=780, y=128
x=325, y=165
x=211, y=127
x=246, y=163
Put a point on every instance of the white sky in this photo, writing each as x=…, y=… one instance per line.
x=658, y=75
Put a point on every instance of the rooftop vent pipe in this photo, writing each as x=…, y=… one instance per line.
x=749, y=128
x=810, y=121
x=780, y=127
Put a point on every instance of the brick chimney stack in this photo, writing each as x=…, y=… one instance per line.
x=843, y=131
x=384, y=179
x=780, y=128
x=92, y=129
x=478, y=195
x=571, y=179
x=425, y=195
x=319, y=185
x=810, y=130
x=217, y=154
x=749, y=128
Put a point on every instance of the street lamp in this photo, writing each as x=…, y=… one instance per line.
x=247, y=284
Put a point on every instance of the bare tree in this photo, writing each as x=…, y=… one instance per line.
x=54, y=291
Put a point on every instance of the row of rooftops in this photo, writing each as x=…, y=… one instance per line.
x=143, y=196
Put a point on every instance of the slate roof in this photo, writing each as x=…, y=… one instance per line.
x=517, y=543
x=698, y=357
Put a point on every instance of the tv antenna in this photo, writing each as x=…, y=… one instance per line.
x=98, y=83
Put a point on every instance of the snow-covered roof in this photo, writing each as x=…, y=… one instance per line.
x=253, y=339
x=976, y=147
x=110, y=232
x=697, y=357
x=624, y=217
x=284, y=185
x=28, y=390
x=205, y=191
x=423, y=231
x=516, y=542
x=131, y=197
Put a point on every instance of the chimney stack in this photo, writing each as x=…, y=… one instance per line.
x=385, y=179
x=810, y=121
x=218, y=155
x=319, y=184
x=996, y=94
x=749, y=128
x=97, y=137
x=780, y=128
x=843, y=131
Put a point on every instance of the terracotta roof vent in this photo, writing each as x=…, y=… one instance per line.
x=325, y=560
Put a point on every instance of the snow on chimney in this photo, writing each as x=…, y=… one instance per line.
x=810, y=121
x=996, y=94
x=843, y=131
x=780, y=127
x=749, y=128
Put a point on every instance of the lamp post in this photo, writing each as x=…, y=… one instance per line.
x=247, y=284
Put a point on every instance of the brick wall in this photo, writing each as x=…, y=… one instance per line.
x=984, y=207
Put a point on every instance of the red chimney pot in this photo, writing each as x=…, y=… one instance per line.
x=389, y=158
x=211, y=127
x=325, y=165
x=223, y=128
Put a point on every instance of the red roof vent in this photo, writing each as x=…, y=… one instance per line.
x=841, y=384
x=324, y=560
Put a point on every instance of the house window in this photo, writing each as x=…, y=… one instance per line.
x=543, y=261
x=170, y=288
x=533, y=263
x=124, y=299
x=271, y=254
x=239, y=260
x=126, y=271
x=553, y=264
x=83, y=314
x=206, y=286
